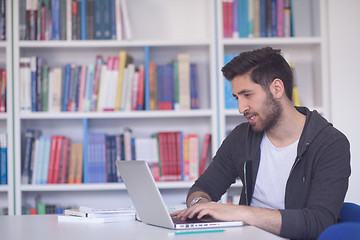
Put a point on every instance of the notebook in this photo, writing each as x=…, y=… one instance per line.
x=149, y=204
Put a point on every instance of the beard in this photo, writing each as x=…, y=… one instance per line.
x=269, y=116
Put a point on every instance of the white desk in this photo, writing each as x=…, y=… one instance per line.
x=40, y=227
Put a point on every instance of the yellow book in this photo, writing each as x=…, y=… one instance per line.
x=124, y=59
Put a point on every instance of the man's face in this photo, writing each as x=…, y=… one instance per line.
x=261, y=109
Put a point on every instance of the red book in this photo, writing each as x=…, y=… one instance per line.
x=65, y=159
x=228, y=18
x=140, y=99
x=52, y=159
x=163, y=155
x=3, y=91
x=57, y=160
x=204, y=154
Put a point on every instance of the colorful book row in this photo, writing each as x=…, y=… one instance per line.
x=114, y=85
x=172, y=156
x=3, y=159
x=257, y=18
x=74, y=20
x=44, y=208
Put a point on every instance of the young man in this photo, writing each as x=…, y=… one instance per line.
x=294, y=165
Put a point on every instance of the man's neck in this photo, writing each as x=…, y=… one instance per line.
x=288, y=129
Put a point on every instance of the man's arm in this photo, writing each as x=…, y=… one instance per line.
x=266, y=219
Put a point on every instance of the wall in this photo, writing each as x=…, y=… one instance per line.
x=344, y=39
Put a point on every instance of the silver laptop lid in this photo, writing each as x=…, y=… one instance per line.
x=144, y=193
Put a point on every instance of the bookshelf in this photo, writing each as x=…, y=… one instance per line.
x=164, y=35
x=307, y=49
x=171, y=27
x=6, y=119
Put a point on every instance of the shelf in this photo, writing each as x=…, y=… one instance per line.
x=4, y=188
x=104, y=186
x=111, y=43
x=273, y=41
x=3, y=115
x=108, y=115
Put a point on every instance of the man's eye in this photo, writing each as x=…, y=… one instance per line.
x=247, y=94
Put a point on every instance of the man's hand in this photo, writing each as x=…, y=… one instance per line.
x=219, y=211
x=266, y=219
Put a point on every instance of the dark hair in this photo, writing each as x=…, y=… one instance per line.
x=264, y=65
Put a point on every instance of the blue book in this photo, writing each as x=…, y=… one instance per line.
x=230, y=101
x=40, y=163
x=55, y=19
x=194, y=86
x=3, y=158
x=26, y=162
x=108, y=158
x=169, y=86
x=113, y=20
x=33, y=62
x=66, y=89
x=100, y=157
x=89, y=87
x=98, y=19
x=274, y=18
x=106, y=25
x=83, y=19
x=243, y=18
x=263, y=18
x=85, y=152
x=46, y=159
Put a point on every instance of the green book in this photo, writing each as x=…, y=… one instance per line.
x=45, y=88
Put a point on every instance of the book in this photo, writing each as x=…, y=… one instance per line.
x=124, y=59
x=227, y=8
x=3, y=159
x=26, y=160
x=126, y=20
x=193, y=157
x=97, y=215
x=205, y=152
x=230, y=101
x=184, y=81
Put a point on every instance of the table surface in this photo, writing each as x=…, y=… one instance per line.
x=39, y=227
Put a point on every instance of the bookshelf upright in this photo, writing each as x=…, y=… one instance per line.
x=6, y=118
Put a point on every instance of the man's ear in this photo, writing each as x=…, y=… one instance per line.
x=277, y=88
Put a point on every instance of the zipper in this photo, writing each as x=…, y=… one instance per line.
x=245, y=184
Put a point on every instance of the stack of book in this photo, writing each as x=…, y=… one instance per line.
x=172, y=156
x=73, y=20
x=97, y=215
x=116, y=84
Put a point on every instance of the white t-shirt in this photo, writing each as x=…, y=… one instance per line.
x=273, y=173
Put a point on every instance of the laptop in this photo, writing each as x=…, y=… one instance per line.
x=149, y=204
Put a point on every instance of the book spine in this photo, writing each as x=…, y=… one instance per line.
x=83, y=19
x=3, y=159
x=33, y=83
x=146, y=78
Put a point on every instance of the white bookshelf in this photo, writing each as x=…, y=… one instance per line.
x=167, y=28
x=6, y=119
x=308, y=51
